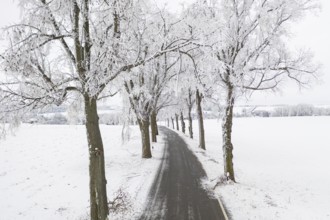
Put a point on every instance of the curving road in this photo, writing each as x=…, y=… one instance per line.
x=176, y=193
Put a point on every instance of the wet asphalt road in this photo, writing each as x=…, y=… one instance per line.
x=176, y=193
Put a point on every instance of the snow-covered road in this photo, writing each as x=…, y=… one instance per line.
x=177, y=192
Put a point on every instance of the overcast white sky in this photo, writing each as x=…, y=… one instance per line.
x=313, y=32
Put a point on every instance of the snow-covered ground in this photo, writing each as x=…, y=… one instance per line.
x=282, y=167
x=44, y=172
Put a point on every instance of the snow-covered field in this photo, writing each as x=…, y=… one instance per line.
x=44, y=172
x=282, y=167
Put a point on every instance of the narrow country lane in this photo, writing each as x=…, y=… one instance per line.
x=176, y=193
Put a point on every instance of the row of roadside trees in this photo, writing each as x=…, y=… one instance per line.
x=85, y=50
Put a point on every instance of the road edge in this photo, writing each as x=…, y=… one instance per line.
x=223, y=209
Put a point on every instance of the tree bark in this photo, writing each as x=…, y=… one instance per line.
x=153, y=123
x=144, y=128
x=156, y=126
x=183, y=125
x=177, y=121
x=168, y=122
x=191, y=134
x=172, y=119
x=227, y=123
x=190, y=104
x=97, y=183
x=199, y=98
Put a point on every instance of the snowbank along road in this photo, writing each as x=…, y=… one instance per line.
x=176, y=193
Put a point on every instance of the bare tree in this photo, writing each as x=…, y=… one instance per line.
x=147, y=84
x=145, y=89
x=190, y=104
x=250, y=54
x=172, y=119
x=183, y=124
x=177, y=121
x=162, y=100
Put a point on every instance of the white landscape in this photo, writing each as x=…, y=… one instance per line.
x=281, y=167
x=84, y=85
x=44, y=172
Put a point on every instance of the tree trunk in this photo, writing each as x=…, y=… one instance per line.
x=172, y=119
x=97, y=183
x=168, y=122
x=191, y=134
x=156, y=126
x=144, y=128
x=199, y=98
x=190, y=104
x=177, y=121
x=183, y=125
x=153, y=123
x=227, y=123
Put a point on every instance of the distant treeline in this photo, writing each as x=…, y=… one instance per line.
x=286, y=111
x=62, y=118
x=59, y=116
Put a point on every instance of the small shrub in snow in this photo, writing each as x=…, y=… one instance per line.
x=121, y=204
x=220, y=181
